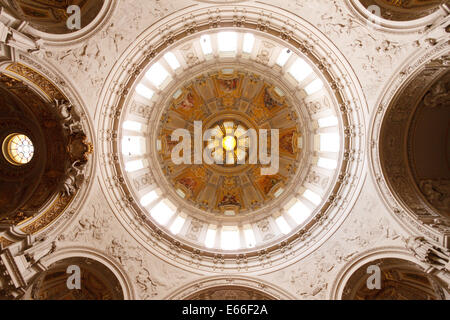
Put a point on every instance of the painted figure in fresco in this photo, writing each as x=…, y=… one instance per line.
x=228, y=85
x=267, y=183
x=269, y=102
x=229, y=200
x=170, y=144
x=286, y=142
x=187, y=104
x=188, y=182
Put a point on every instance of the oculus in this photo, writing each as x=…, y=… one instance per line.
x=18, y=149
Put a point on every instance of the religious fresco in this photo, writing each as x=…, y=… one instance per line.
x=188, y=104
x=228, y=87
x=267, y=103
x=289, y=142
x=167, y=144
x=229, y=195
x=266, y=185
x=192, y=180
x=228, y=103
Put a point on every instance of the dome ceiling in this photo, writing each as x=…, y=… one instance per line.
x=402, y=280
x=32, y=159
x=206, y=199
x=262, y=150
x=418, y=115
x=230, y=104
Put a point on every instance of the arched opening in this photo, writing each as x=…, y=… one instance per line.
x=414, y=144
x=77, y=279
x=52, y=16
x=402, y=10
x=392, y=279
x=229, y=293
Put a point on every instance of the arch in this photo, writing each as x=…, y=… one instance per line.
x=375, y=256
x=81, y=252
x=52, y=30
x=48, y=87
x=405, y=203
x=402, y=276
x=403, y=22
x=259, y=288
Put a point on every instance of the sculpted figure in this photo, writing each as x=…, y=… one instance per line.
x=428, y=253
x=74, y=178
x=65, y=114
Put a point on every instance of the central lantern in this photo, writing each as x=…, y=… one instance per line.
x=229, y=144
x=239, y=110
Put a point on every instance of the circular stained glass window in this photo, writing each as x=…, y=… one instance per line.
x=18, y=149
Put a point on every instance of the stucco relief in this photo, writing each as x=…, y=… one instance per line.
x=394, y=154
x=437, y=193
x=382, y=53
x=101, y=51
x=97, y=227
x=373, y=54
x=365, y=228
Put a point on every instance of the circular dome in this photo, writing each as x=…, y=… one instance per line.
x=236, y=157
x=225, y=145
x=18, y=149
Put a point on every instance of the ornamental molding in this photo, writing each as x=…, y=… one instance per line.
x=45, y=40
x=72, y=250
x=276, y=23
x=341, y=279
